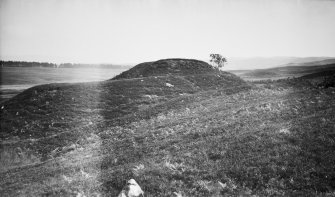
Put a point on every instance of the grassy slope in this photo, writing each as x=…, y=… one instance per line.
x=321, y=74
x=273, y=139
x=15, y=79
x=284, y=72
x=263, y=141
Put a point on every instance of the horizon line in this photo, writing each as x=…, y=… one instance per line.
x=126, y=64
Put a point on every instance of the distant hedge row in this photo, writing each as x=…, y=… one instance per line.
x=26, y=64
x=53, y=65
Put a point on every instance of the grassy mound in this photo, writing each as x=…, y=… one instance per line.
x=168, y=66
x=202, y=75
x=50, y=116
x=207, y=134
x=307, y=72
x=323, y=79
x=322, y=74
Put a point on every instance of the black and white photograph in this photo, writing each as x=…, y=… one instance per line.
x=167, y=98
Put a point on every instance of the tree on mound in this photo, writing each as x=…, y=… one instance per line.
x=218, y=60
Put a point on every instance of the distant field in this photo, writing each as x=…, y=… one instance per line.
x=283, y=72
x=17, y=79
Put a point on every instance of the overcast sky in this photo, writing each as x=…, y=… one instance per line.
x=132, y=31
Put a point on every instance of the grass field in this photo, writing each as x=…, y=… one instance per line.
x=206, y=135
x=16, y=79
x=290, y=70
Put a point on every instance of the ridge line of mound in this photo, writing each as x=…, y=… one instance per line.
x=167, y=66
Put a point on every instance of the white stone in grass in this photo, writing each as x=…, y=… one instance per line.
x=150, y=96
x=284, y=130
x=169, y=85
x=223, y=186
x=85, y=174
x=79, y=194
x=177, y=194
x=139, y=167
x=67, y=179
x=132, y=189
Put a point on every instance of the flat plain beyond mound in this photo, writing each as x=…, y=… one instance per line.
x=175, y=126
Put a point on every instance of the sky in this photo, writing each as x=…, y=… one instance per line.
x=134, y=31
